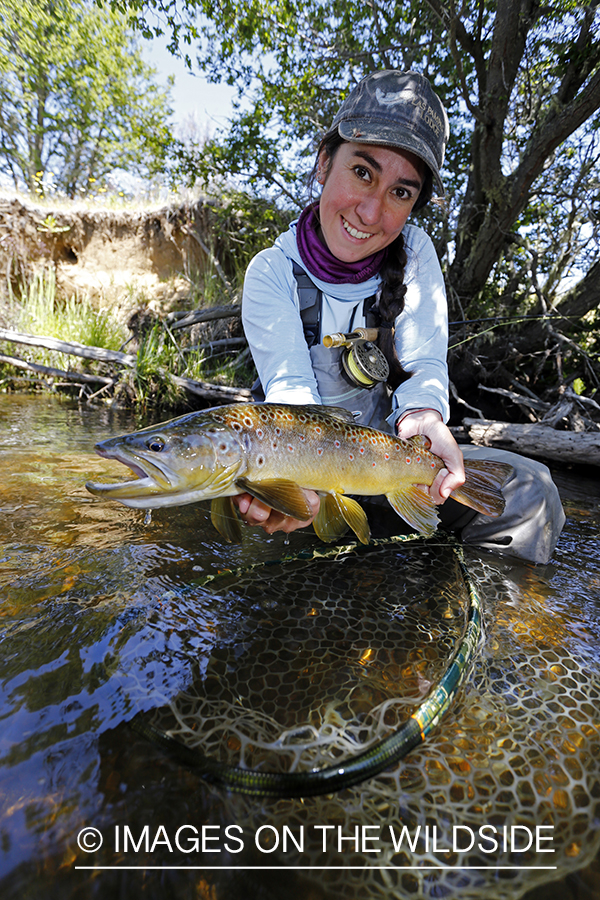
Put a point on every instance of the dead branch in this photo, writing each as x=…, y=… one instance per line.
x=459, y=399
x=72, y=348
x=221, y=344
x=213, y=391
x=51, y=372
x=556, y=413
x=178, y=320
x=531, y=401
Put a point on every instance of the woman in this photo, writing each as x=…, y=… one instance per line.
x=351, y=259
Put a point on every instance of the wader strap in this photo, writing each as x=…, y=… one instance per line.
x=310, y=299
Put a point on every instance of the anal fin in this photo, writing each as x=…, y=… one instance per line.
x=329, y=523
x=339, y=511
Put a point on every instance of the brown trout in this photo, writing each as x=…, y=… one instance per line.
x=273, y=452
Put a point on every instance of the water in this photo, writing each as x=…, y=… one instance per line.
x=104, y=613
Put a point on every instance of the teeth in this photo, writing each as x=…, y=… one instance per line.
x=361, y=235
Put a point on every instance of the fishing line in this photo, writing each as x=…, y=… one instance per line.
x=523, y=318
x=363, y=765
x=499, y=322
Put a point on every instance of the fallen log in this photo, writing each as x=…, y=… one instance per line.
x=540, y=441
x=51, y=372
x=208, y=390
x=69, y=347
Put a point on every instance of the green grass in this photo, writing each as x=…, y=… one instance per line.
x=41, y=312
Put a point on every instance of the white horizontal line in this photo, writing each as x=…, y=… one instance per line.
x=326, y=868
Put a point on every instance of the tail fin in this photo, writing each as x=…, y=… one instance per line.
x=482, y=489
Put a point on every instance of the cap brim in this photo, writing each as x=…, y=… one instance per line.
x=369, y=132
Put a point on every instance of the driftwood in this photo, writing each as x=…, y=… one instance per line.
x=184, y=320
x=581, y=448
x=51, y=372
x=73, y=348
x=200, y=388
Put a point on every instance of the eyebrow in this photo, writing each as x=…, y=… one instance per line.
x=364, y=154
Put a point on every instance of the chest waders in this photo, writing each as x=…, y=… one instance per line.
x=369, y=405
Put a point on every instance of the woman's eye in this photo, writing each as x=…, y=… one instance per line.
x=156, y=444
x=362, y=173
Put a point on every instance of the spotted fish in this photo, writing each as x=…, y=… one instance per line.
x=273, y=452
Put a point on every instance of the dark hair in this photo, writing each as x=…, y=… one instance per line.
x=393, y=289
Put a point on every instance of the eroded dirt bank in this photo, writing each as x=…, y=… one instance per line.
x=120, y=258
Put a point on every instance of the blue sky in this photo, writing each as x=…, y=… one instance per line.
x=191, y=94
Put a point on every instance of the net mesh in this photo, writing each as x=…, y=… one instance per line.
x=305, y=663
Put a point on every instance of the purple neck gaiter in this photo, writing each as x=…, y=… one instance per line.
x=320, y=262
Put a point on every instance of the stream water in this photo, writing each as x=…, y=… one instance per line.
x=105, y=615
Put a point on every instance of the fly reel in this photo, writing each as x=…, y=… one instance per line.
x=362, y=360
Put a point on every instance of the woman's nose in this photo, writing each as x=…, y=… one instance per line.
x=370, y=209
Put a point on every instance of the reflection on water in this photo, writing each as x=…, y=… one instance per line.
x=104, y=615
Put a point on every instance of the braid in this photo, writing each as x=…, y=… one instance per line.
x=391, y=304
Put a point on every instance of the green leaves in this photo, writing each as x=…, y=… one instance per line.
x=520, y=81
x=76, y=98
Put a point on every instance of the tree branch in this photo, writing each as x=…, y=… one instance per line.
x=72, y=348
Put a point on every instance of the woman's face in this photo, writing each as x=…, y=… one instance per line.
x=368, y=194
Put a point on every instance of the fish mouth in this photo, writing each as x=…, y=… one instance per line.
x=158, y=485
x=150, y=479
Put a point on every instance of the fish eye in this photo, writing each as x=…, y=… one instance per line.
x=155, y=444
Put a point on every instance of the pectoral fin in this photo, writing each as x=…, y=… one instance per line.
x=286, y=497
x=339, y=509
x=224, y=517
x=416, y=507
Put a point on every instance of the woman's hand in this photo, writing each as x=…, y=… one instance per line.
x=428, y=422
x=255, y=512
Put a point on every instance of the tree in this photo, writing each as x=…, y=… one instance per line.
x=521, y=82
x=76, y=98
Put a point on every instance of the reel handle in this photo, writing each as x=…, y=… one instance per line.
x=346, y=340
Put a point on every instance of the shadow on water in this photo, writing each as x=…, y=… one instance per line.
x=104, y=616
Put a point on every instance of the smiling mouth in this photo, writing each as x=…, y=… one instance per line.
x=354, y=232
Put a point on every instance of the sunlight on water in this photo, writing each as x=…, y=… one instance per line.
x=105, y=613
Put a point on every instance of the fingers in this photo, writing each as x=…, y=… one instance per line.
x=445, y=482
x=255, y=512
x=429, y=423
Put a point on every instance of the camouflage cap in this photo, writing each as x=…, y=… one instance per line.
x=397, y=109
